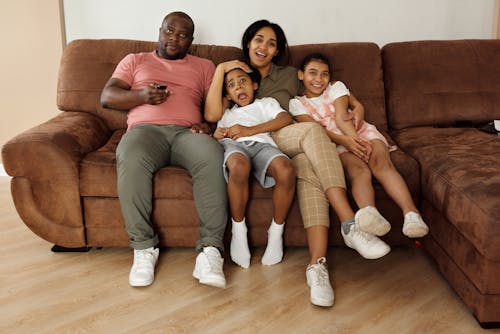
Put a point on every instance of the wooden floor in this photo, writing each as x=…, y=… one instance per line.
x=45, y=292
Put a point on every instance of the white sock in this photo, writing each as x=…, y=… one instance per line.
x=274, y=249
x=240, y=253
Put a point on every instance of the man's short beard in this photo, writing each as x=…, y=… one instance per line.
x=162, y=52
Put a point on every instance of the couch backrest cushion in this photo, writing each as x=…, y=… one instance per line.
x=441, y=82
x=359, y=66
x=87, y=64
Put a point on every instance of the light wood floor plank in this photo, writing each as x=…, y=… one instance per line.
x=45, y=292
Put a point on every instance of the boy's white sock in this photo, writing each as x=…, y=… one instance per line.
x=240, y=253
x=274, y=249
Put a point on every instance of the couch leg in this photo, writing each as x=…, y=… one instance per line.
x=489, y=325
x=61, y=249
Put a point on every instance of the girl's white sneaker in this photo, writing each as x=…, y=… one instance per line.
x=414, y=226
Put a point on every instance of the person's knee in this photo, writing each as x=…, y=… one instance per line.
x=125, y=152
x=314, y=136
x=312, y=129
x=360, y=171
x=133, y=162
x=380, y=163
x=205, y=160
x=312, y=126
x=239, y=168
x=285, y=172
x=211, y=152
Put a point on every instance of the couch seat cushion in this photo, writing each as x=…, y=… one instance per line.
x=98, y=176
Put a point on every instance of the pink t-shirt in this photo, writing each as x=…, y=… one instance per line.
x=188, y=79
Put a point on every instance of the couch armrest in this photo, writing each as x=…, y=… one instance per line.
x=44, y=163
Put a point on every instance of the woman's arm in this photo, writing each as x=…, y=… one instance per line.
x=344, y=122
x=357, y=114
x=215, y=103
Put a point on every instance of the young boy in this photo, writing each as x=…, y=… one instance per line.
x=244, y=131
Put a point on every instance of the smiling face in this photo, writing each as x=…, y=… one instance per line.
x=239, y=87
x=315, y=76
x=176, y=36
x=262, y=48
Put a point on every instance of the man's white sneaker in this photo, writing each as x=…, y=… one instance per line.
x=208, y=267
x=414, y=226
x=142, y=272
x=319, y=282
x=368, y=245
x=371, y=221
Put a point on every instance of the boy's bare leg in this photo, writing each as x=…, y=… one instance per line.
x=281, y=169
x=237, y=186
x=283, y=172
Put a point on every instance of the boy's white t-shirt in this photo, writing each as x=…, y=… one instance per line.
x=260, y=111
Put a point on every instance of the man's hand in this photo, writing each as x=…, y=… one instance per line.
x=151, y=94
x=357, y=115
x=201, y=128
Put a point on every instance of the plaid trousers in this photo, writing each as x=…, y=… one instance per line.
x=317, y=165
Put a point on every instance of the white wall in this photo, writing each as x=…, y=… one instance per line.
x=222, y=22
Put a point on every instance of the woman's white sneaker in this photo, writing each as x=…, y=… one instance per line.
x=368, y=245
x=142, y=272
x=319, y=283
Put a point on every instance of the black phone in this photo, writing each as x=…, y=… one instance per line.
x=161, y=87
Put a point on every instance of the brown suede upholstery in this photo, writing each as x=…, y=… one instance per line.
x=431, y=86
x=64, y=172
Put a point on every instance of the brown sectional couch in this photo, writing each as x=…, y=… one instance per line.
x=434, y=89
x=64, y=177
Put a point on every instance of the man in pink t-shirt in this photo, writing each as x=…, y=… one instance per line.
x=162, y=92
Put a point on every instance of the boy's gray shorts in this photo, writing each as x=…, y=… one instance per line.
x=259, y=154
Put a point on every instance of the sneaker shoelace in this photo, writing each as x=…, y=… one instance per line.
x=413, y=218
x=142, y=259
x=214, y=260
x=320, y=277
x=358, y=234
